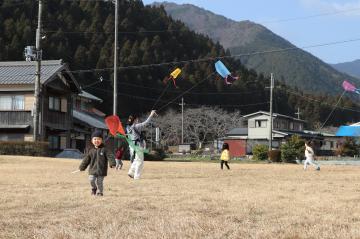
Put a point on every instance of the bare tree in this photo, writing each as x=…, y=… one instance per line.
x=200, y=125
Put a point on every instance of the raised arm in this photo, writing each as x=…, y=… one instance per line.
x=139, y=126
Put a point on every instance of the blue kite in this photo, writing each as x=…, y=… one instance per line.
x=225, y=73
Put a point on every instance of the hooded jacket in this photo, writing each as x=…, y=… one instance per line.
x=97, y=159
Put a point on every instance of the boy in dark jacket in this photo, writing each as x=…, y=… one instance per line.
x=97, y=159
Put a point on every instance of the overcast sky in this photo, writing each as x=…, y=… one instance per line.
x=335, y=20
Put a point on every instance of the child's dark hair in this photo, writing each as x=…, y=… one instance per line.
x=131, y=119
x=225, y=146
x=309, y=143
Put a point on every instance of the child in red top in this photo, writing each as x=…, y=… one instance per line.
x=118, y=155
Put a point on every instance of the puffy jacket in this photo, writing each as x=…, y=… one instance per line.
x=225, y=155
x=97, y=159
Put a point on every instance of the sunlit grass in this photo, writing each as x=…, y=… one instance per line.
x=40, y=198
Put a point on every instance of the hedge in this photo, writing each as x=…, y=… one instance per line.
x=24, y=148
x=260, y=152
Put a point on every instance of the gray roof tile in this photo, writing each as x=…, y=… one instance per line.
x=23, y=72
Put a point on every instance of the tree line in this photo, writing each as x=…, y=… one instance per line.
x=81, y=33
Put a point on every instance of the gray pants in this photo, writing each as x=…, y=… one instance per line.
x=119, y=164
x=96, y=183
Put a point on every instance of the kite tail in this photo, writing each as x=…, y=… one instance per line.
x=136, y=148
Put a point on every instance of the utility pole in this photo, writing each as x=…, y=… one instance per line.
x=182, y=119
x=115, y=58
x=298, y=113
x=36, y=120
x=271, y=111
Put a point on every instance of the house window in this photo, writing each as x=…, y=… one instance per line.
x=331, y=144
x=11, y=137
x=54, y=103
x=260, y=123
x=54, y=142
x=12, y=102
x=291, y=125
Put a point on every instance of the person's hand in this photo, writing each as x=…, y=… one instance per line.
x=153, y=112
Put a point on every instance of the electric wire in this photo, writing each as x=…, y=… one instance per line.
x=131, y=67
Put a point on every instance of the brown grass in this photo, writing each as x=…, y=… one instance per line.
x=39, y=198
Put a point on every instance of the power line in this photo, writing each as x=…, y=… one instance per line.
x=165, y=101
x=200, y=29
x=310, y=16
x=309, y=99
x=212, y=58
x=218, y=57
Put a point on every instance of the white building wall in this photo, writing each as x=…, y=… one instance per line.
x=254, y=131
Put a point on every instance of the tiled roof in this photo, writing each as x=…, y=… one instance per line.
x=23, y=72
x=274, y=115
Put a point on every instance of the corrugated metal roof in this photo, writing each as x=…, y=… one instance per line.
x=23, y=72
x=92, y=121
x=87, y=95
x=238, y=131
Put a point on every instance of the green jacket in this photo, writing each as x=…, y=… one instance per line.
x=97, y=160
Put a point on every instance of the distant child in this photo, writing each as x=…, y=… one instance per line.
x=134, y=133
x=225, y=156
x=97, y=158
x=118, y=156
x=309, y=156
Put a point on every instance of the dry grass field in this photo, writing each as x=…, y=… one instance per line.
x=40, y=198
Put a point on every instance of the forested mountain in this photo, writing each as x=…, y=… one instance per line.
x=81, y=33
x=351, y=68
x=297, y=68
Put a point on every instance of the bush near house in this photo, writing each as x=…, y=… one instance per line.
x=24, y=148
x=348, y=148
x=260, y=152
x=292, y=149
x=275, y=155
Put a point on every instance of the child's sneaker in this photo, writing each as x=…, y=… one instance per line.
x=131, y=176
x=318, y=169
x=93, y=191
x=100, y=194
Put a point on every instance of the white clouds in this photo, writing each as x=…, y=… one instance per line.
x=346, y=8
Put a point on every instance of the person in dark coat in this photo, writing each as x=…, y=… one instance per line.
x=97, y=158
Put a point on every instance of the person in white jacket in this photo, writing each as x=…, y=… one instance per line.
x=134, y=129
x=309, y=156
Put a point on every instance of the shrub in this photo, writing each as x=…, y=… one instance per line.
x=292, y=150
x=24, y=148
x=275, y=155
x=155, y=155
x=260, y=152
x=348, y=148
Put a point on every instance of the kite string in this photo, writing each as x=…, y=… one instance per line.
x=171, y=101
x=327, y=119
x=335, y=106
x=162, y=93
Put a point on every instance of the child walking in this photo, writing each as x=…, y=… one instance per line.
x=134, y=133
x=225, y=156
x=97, y=158
x=309, y=156
x=118, y=156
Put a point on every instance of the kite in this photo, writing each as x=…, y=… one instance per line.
x=350, y=87
x=116, y=129
x=173, y=76
x=225, y=73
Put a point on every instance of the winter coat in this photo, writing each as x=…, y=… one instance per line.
x=97, y=159
x=225, y=155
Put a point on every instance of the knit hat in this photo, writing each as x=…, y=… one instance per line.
x=96, y=133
